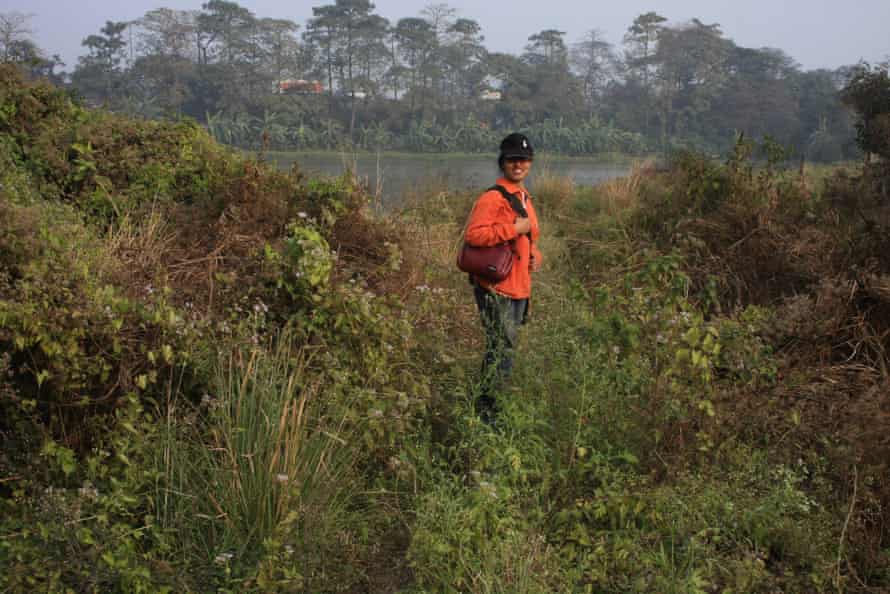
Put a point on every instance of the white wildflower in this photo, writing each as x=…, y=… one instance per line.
x=223, y=558
x=282, y=478
x=88, y=491
x=488, y=489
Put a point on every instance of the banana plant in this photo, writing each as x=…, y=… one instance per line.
x=272, y=125
x=419, y=137
x=302, y=136
x=240, y=130
x=216, y=127
x=331, y=134
x=375, y=136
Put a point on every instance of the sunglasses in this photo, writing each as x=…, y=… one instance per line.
x=518, y=159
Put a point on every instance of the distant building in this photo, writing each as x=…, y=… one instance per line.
x=358, y=94
x=299, y=86
x=490, y=95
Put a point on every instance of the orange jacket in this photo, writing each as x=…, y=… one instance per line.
x=491, y=223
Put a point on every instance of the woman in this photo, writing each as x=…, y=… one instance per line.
x=503, y=306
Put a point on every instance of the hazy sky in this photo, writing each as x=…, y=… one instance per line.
x=816, y=33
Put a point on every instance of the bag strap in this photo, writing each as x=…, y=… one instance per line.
x=515, y=203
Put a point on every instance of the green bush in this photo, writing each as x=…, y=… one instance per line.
x=87, y=523
x=149, y=423
x=79, y=342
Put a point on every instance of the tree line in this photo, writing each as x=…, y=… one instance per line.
x=428, y=83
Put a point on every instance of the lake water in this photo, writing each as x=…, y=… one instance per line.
x=397, y=174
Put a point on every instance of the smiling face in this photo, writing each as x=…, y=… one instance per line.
x=516, y=169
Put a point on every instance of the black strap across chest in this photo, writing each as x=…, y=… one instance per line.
x=514, y=201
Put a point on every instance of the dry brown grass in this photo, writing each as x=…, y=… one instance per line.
x=621, y=195
x=827, y=279
x=552, y=192
x=138, y=251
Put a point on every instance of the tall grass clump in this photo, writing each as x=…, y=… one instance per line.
x=269, y=470
x=621, y=194
x=551, y=191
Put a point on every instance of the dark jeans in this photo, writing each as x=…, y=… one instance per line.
x=501, y=318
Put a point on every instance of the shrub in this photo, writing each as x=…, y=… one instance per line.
x=133, y=256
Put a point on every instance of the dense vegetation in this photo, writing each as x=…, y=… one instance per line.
x=417, y=84
x=220, y=377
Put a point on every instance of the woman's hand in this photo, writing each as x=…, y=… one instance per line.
x=523, y=225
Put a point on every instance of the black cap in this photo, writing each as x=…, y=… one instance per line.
x=516, y=145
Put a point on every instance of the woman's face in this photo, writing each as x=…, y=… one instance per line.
x=516, y=169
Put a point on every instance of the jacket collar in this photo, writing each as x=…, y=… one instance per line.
x=511, y=187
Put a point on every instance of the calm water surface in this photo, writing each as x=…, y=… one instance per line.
x=396, y=175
